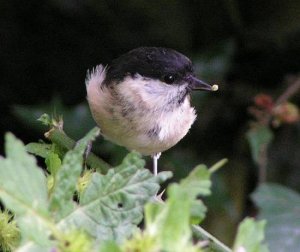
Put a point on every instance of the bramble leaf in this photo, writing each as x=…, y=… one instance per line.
x=112, y=205
x=169, y=223
x=195, y=184
x=61, y=201
x=23, y=190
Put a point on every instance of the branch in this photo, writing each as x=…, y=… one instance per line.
x=214, y=243
x=59, y=137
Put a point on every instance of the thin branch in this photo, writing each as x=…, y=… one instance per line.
x=59, y=137
x=214, y=243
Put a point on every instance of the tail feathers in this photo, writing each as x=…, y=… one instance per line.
x=95, y=76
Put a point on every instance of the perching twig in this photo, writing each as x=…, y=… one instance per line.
x=58, y=136
x=214, y=243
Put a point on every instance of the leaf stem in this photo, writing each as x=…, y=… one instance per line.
x=218, y=165
x=214, y=243
x=60, y=138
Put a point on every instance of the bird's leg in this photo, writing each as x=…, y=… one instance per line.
x=155, y=158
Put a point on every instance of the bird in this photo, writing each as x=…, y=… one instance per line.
x=141, y=100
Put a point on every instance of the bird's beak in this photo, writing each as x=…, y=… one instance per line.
x=196, y=84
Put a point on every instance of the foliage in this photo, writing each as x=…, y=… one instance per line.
x=71, y=115
x=259, y=138
x=89, y=211
x=280, y=207
x=9, y=233
x=250, y=237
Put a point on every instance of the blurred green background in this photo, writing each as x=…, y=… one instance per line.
x=247, y=47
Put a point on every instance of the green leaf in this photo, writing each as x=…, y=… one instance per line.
x=22, y=182
x=258, y=138
x=198, y=211
x=61, y=201
x=169, y=223
x=39, y=149
x=23, y=190
x=250, y=237
x=195, y=184
x=112, y=205
x=172, y=223
x=53, y=163
x=280, y=206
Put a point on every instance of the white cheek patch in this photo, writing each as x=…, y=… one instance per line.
x=154, y=94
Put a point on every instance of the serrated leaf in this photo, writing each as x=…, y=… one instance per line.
x=198, y=211
x=259, y=137
x=280, y=206
x=170, y=223
x=112, y=204
x=21, y=180
x=197, y=183
x=61, y=201
x=23, y=190
x=250, y=237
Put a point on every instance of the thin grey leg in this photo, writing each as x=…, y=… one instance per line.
x=155, y=158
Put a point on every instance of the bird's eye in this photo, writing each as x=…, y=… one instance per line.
x=169, y=78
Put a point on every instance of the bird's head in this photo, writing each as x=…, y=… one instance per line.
x=163, y=64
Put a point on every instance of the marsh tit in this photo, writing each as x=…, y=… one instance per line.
x=142, y=99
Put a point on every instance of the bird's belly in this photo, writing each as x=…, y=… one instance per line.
x=149, y=133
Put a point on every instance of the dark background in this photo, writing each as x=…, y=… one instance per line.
x=247, y=47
